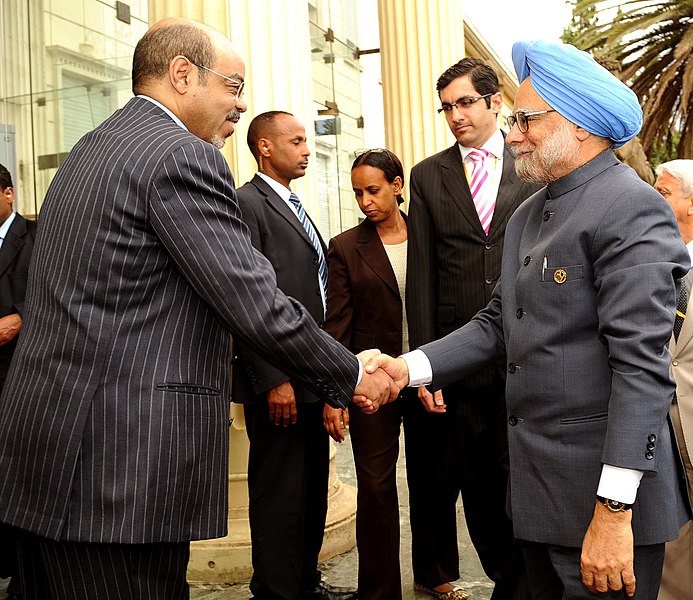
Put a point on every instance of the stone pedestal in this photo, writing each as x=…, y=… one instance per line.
x=228, y=559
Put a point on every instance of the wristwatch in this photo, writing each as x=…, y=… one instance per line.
x=614, y=505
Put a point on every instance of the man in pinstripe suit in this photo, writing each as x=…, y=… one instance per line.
x=113, y=421
x=453, y=266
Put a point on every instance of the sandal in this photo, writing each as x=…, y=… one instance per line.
x=456, y=593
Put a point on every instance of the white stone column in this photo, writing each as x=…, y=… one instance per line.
x=419, y=39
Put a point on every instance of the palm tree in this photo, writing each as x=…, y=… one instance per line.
x=653, y=41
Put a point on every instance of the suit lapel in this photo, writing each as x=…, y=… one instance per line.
x=277, y=204
x=455, y=182
x=372, y=251
x=12, y=243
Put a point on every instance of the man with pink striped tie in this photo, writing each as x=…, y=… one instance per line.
x=460, y=202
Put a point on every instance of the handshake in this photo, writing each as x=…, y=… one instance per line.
x=383, y=379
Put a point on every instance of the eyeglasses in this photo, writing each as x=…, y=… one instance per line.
x=522, y=118
x=462, y=103
x=239, y=85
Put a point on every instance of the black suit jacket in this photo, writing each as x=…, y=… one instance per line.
x=15, y=256
x=452, y=265
x=114, y=415
x=278, y=234
x=365, y=308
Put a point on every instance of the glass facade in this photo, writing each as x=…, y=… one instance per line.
x=65, y=68
x=338, y=117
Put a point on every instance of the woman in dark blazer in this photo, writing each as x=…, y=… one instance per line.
x=367, y=274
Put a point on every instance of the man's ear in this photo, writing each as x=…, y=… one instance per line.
x=581, y=134
x=8, y=192
x=497, y=102
x=180, y=72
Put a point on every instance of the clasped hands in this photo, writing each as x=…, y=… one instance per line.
x=383, y=379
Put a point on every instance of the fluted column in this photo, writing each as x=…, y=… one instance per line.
x=419, y=39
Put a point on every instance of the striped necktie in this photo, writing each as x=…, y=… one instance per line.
x=314, y=238
x=680, y=311
x=483, y=203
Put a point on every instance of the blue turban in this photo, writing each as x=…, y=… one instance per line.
x=580, y=89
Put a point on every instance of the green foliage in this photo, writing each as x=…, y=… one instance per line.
x=652, y=40
x=581, y=21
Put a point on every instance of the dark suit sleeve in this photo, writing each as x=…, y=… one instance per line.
x=194, y=211
x=265, y=375
x=340, y=307
x=477, y=344
x=421, y=269
x=639, y=241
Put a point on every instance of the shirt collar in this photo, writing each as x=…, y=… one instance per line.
x=166, y=110
x=495, y=145
x=283, y=192
x=5, y=227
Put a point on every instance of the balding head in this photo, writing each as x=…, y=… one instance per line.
x=675, y=183
x=195, y=72
x=163, y=42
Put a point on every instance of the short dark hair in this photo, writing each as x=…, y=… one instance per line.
x=260, y=126
x=483, y=77
x=5, y=178
x=382, y=159
x=160, y=45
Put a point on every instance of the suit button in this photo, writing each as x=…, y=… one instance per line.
x=652, y=438
x=675, y=363
x=520, y=313
x=512, y=419
x=488, y=246
x=321, y=324
x=649, y=455
x=650, y=446
x=489, y=280
x=547, y=215
x=315, y=260
x=527, y=260
x=512, y=367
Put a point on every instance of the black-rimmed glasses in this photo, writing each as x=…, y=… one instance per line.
x=464, y=102
x=521, y=118
x=238, y=86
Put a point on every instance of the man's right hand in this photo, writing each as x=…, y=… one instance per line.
x=282, y=405
x=396, y=368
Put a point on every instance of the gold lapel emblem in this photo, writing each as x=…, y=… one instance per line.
x=560, y=276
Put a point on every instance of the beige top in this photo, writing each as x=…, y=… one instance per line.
x=397, y=254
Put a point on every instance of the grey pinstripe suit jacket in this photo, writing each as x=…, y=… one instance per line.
x=113, y=421
x=585, y=332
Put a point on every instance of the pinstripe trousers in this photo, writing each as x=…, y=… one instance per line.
x=52, y=570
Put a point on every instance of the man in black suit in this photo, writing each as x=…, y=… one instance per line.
x=289, y=447
x=114, y=417
x=454, y=260
x=16, y=244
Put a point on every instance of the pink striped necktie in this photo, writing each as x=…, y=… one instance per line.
x=483, y=201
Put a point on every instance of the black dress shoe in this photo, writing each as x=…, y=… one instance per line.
x=324, y=591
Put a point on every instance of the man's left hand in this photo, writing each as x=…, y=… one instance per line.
x=10, y=326
x=607, y=552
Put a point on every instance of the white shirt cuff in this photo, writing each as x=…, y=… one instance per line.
x=360, y=374
x=420, y=372
x=617, y=483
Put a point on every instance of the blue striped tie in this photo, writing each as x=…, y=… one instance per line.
x=315, y=240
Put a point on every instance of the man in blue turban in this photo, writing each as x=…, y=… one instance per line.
x=582, y=314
